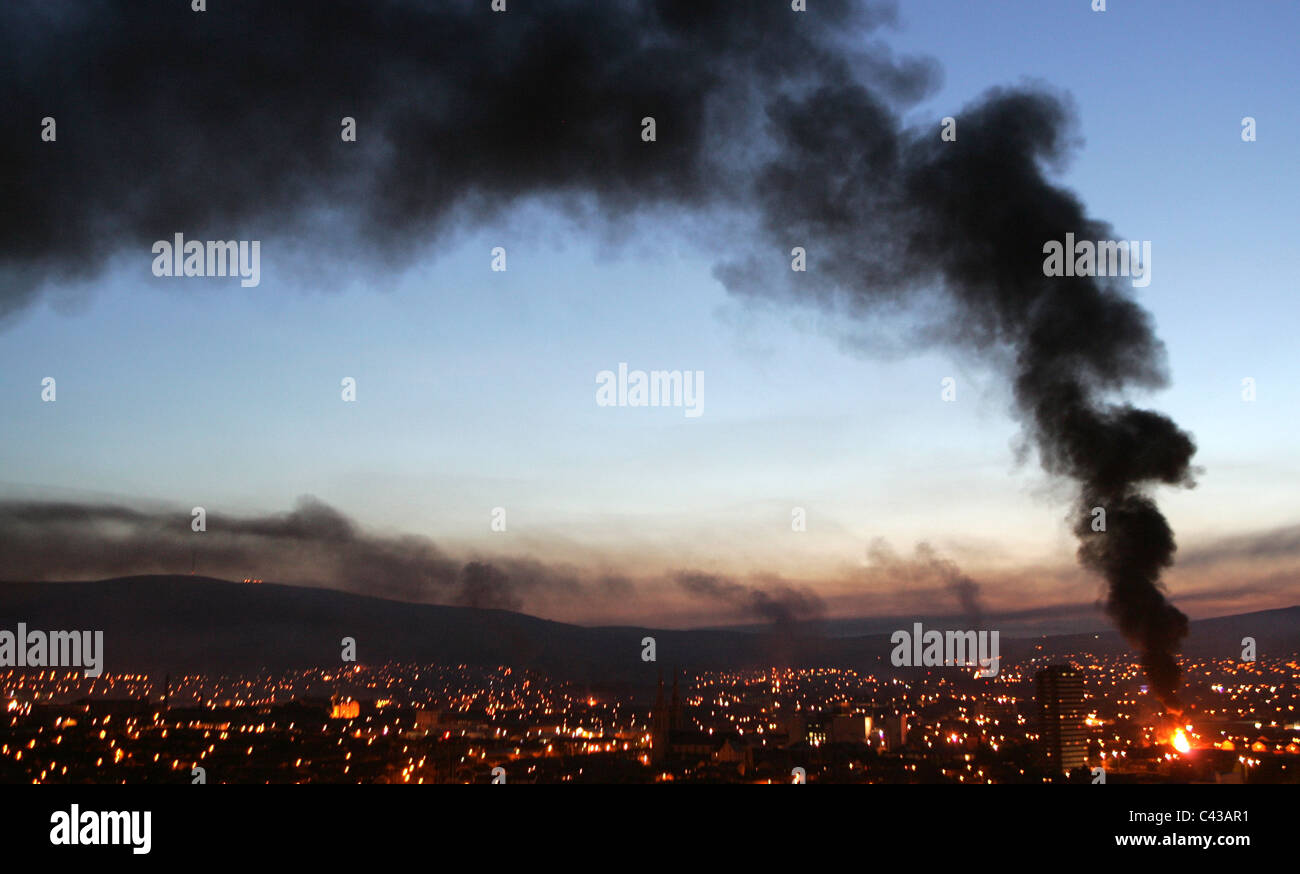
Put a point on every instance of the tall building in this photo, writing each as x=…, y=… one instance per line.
x=1061, y=731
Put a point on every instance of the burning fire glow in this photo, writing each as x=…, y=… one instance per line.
x=1180, y=742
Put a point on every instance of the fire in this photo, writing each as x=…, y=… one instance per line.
x=1180, y=742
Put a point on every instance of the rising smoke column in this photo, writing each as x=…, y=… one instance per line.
x=971, y=217
x=226, y=124
x=987, y=212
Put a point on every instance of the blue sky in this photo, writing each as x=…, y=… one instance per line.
x=476, y=389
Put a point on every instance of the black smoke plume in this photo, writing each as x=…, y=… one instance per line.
x=225, y=124
x=970, y=218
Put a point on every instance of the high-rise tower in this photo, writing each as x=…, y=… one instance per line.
x=1063, y=739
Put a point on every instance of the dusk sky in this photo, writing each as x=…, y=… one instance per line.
x=476, y=389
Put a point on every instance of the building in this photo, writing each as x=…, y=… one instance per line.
x=671, y=742
x=850, y=728
x=1061, y=731
x=889, y=730
x=665, y=722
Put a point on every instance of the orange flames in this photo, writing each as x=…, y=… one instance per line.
x=1180, y=741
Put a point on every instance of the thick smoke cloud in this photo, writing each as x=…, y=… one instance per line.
x=225, y=124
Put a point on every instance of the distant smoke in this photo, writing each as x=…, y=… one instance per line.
x=786, y=607
x=966, y=590
x=225, y=124
x=926, y=566
x=1277, y=543
x=312, y=544
x=483, y=585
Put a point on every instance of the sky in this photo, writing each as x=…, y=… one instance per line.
x=476, y=388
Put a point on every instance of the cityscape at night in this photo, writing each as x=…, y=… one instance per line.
x=408, y=723
x=453, y=393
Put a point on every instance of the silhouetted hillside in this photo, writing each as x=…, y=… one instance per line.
x=177, y=623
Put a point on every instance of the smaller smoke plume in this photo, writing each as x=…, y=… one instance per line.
x=927, y=567
x=484, y=585
x=781, y=604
